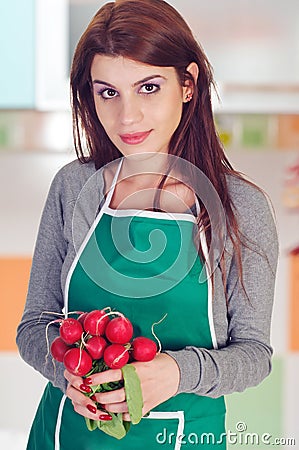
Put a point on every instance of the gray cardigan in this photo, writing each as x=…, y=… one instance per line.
x=242, y=324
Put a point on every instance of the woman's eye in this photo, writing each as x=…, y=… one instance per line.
x=108, y=93
x=149, y=88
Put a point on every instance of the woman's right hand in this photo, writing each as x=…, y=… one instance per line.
x=82, y=404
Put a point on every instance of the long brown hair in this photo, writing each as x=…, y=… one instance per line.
x=153, y=33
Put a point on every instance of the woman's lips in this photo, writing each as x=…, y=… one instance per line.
x=134, y=138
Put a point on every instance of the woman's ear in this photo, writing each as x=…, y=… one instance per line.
x=194, y=70
x=188, y=89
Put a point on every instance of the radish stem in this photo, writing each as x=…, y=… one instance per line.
x=120, y=356
x=154, y=334
x=47, y=339
x=79, y=362
x=54, y=313
x=110, y=313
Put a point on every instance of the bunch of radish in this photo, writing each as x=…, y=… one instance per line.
x=99, y=335
x=100, y=340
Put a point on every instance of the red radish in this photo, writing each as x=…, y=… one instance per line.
x=77, y=361
x=95, y=346
x=95, y=322
x=116, y=356
x=81, y=318
x=70, y=331
x=143, y=349
x=58, y=349
x=119, y=330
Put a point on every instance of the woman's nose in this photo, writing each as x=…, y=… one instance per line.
x=131, y=111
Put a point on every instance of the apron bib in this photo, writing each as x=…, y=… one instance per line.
x=145, y=265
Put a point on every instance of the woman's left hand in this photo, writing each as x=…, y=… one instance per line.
x=159, y=380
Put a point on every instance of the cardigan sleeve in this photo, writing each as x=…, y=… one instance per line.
x=45, y=297
x=245, y=359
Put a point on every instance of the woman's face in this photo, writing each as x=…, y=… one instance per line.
x=139, y=106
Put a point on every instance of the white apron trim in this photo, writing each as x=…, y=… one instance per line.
x=171, y=415
x=152, y=415
x=149, y=214
x=76, y=260
x=58, y=422
x=204, y=247
x=86, y=239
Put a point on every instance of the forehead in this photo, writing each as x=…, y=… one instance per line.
x=121, y=70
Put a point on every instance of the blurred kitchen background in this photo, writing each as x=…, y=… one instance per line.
x=254, y=49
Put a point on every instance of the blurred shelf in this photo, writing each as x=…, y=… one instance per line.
x=259, y=98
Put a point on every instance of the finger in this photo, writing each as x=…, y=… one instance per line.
x=117, y=396
x=90, y=411
x=116, y=407
x=73, y=379
x=76, y=396
x=126, y=417
x=105, y=377
x=77, y=382
x=84, y=405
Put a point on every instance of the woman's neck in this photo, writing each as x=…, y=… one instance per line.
x=144, y=170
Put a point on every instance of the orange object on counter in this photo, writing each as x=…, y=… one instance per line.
x=288, y=132
x=14, y=277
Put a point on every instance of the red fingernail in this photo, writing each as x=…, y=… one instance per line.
x=87, y=381
x=93, y=397
x=105, y=417
x=86, y=389
x=91, y=408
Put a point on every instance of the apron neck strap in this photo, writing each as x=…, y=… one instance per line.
x=114, y=182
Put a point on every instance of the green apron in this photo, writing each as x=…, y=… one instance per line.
x=145, y=265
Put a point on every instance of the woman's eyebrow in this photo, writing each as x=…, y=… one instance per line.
x=144, y=80
x=103, y=82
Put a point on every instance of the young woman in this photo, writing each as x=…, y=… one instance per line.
x=151, y=219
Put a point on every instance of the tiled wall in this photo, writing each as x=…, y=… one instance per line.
x=259, y=131
x=35, y=145
x=35, y=131
x=30, y=130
